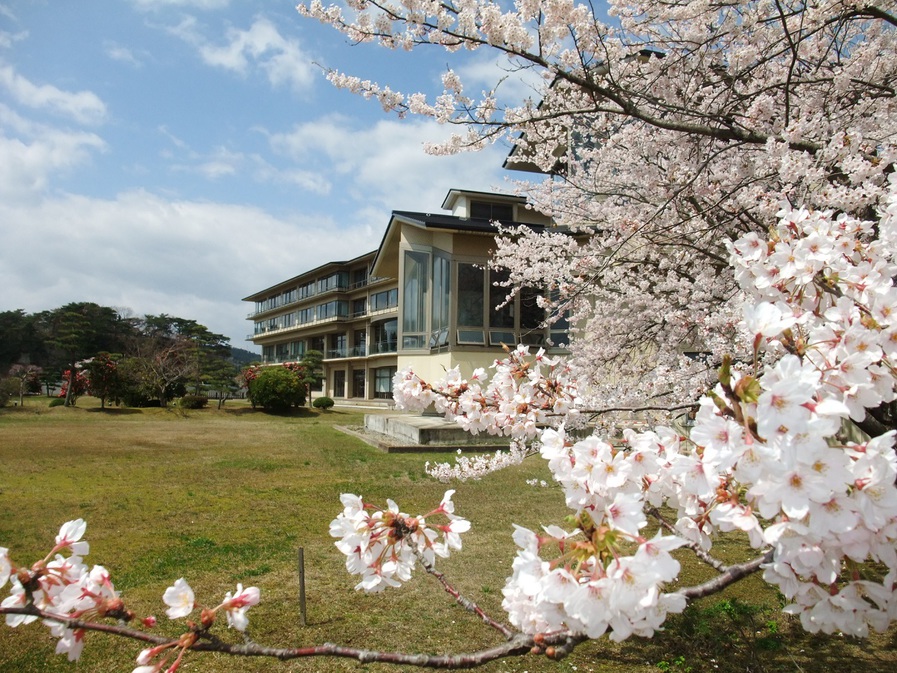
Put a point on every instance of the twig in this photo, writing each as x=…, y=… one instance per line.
x=714, y=563
x=463, y=601
x=517, y=645
x=730, y=576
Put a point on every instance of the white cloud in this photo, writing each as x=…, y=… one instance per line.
x=186, y=258
x=385, y=164
x=84, y=107
x=220, y=162
x=514, y=83
x=122, y=54
x=31, y=153
x=261, y=46
x=155, y=5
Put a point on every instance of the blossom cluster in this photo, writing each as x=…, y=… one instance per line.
x=791, y=448
x=523, y=393
x=63, y=586
x=60, y=588
x=383, y=545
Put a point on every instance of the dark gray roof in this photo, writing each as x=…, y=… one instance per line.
x=453, y=222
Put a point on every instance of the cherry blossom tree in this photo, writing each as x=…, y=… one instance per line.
x=670, y=129
x=727, y=170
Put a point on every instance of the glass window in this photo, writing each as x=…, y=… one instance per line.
x=414, y=299
x=358, y=383
x=384, y=300
x=335, y=281
x=504, y=316
x=497, y=338
x=482, y=210
x=297, y=350
x=307, y=290
x=384, y=336
x=471, y=336
x=359, y=306
x=532, y=316
x=359, y=346
x=439, y=317
x=470, y=295
x=338, y=343
x=383, y=382
x=339, y=383
x=333, y=309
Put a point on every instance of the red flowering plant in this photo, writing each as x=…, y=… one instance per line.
x=79, y=384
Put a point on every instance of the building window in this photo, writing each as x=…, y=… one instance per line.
x=358, y=384
x=470, y=295
x=504, y=316
x=360, y=277
x=316, y=344
x=439, y=317
x=383, y=382
x=339, y=383
x=297, y=350
x=335, y=281
x=307, y=290
x=333, y=309
x=483, y=210
x=338, y=343
x=359, y=307
x=384, y=336
x=359, y=343
x=306, y=315
x=414, y=299
x=384, y=300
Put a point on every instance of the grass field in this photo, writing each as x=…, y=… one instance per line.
x=220, y=497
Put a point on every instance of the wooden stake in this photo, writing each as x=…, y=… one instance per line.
x=302, y=613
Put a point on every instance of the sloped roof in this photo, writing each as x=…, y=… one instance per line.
x=438, y=222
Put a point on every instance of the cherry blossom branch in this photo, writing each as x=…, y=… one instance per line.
x=464, y=602
x=518, y=644
x=731, y=575
x=607, y=410
x=707, y=558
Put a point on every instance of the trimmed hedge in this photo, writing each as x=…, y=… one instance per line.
x=193, y=401
x=322, y=403
x=277, y=389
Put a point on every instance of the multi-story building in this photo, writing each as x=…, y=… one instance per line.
x=424, y=298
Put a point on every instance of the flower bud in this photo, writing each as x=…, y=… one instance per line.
x=207, y=618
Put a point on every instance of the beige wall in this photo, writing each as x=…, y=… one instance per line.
x=433, y=367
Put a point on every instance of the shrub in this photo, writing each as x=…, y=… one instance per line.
x=8, y=389
x=56, y=402
x=277, y=389
x=194, y=401
x=322, y=403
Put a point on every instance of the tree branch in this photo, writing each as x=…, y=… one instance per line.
x=730, y=576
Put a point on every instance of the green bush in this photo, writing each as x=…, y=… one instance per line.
x=277, y=389
x=193, y=401
x=56, y=402
x=8, y=388
x=322, y=403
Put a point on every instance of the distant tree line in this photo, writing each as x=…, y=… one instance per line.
x=84, y=348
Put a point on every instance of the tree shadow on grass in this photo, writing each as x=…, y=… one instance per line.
x=113, y=411
x=301, y=412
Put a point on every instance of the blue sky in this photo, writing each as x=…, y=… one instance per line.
x=174, y=156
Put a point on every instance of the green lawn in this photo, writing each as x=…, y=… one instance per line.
x=221, y=497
